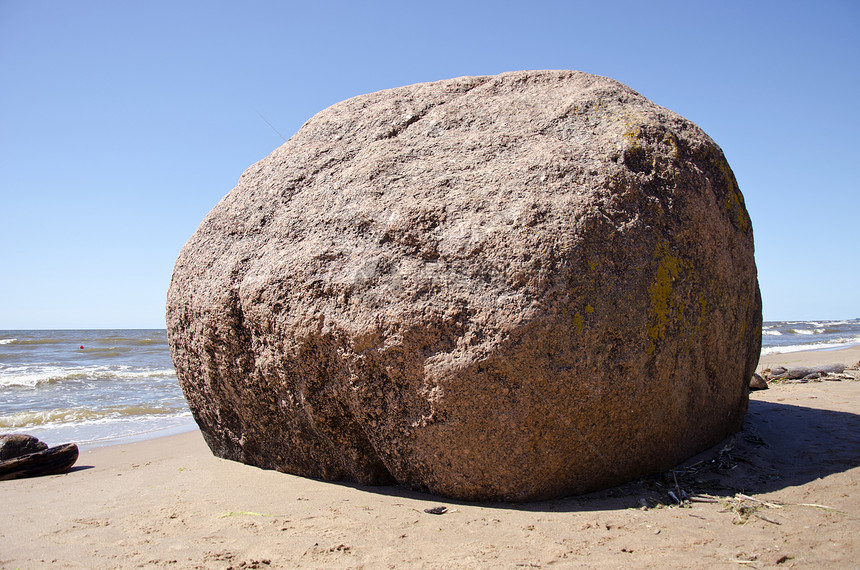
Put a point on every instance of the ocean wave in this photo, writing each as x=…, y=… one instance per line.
x=115, y=343
x=33, y=378
x=115, y=374
x=771, y=333
x=40, y=341
x=106, y=353
x=825, y=345
x=111, y=431
x=81, y=416
x=806, y=331
x=16, y=377
x=134, y=341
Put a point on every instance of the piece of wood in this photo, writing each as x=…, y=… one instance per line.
x=803, y=371
x=51, y=461
x=14, y=445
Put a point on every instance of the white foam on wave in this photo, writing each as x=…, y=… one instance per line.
x=111, y=431
x=828, y=345
x=771, y=333
x=167, y=372
x=33, y=377
x=86, y=416
x=121, y=373
x=23, y=377
x=7, y=340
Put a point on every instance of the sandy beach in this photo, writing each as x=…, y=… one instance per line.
x=784, y=492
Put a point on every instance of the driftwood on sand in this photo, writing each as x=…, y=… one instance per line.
x=26, y=456
x=800, y=372
x=18, y=444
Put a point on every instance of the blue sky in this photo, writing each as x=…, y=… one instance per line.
x=123, y=123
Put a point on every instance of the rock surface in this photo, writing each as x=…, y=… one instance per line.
x=512, y=287
x=758, y=383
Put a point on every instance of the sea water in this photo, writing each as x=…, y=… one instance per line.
x=98, y=387
x=794, y=336
x=91, y=387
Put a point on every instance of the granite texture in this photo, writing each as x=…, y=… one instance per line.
x=490, y=288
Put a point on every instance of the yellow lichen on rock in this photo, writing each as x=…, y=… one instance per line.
x=661, y=293
x=578, y=322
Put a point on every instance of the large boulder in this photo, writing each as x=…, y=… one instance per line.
x=512, y=287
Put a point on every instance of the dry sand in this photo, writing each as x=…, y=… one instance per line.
x=785, y=493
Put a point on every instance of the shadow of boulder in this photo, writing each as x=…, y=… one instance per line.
x=780, y=446
x=784, y=445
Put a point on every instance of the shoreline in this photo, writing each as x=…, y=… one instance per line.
x=849, y=355
x=823, y=348
x=784, y=491
x=157, y=433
